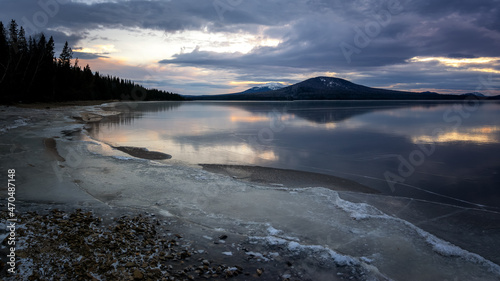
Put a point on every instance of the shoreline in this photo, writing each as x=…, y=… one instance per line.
x=195, y=203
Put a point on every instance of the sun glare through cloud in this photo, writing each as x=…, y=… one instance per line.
x=482, y=64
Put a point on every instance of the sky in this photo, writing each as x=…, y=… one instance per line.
x=205, y=47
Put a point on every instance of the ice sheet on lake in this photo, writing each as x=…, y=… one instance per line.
x=13, y=124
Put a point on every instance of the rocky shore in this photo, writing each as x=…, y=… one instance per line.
x=76, y=244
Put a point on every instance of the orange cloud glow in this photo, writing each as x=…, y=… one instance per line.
x=248, y=119
x=481, y=135
x=464, y=63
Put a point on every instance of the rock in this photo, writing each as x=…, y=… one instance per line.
x=90, y=117
x=130, y=264
x=112, y=249
x=259, y=271
x=138, y=275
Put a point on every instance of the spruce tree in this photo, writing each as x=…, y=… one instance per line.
x=22, y=44
x=4, y=53
x=46, y=75
x=65, y=56
x=49, y=49
x=13, y=42
x=4, y=47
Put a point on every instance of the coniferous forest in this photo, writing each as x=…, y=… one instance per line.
x=30, y=72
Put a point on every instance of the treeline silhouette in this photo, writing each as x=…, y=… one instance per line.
x=30, y=72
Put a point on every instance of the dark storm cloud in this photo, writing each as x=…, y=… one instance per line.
x=427, y=23
x=163, y=15
x=461, y=56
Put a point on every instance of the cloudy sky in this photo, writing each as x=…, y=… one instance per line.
x=223, y=46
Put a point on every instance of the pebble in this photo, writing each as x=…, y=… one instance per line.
x=129, y=248
x=138, y=275
x=259, y=271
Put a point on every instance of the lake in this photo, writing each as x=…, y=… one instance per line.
x=447, y=152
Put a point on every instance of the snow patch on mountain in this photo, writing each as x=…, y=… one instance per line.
x=265, y=87
x=272, y=86
x=331, y=83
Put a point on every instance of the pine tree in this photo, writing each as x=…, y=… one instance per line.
x=49, y=49
x=65, y=56
x=4, y=62
x=13, y=42
x=22, y=44
x=11, y=79
x=46, y=75
x=4, y=47
x=4, y=53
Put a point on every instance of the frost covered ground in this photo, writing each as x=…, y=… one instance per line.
x=271, y=232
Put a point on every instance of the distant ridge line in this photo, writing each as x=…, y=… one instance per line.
x=332, y=88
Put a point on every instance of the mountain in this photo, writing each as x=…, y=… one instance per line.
x=476, y=94
x=264, y=88
x=331, y=88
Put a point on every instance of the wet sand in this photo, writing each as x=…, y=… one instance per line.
x=144, y=153
x=51, y=149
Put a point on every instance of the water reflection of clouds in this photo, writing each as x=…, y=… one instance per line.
x=210, y=127
x=248, y=119
x=254, y=118
x=119, y=137
x=222, y=153
x=423, y=124
x=479, y=135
